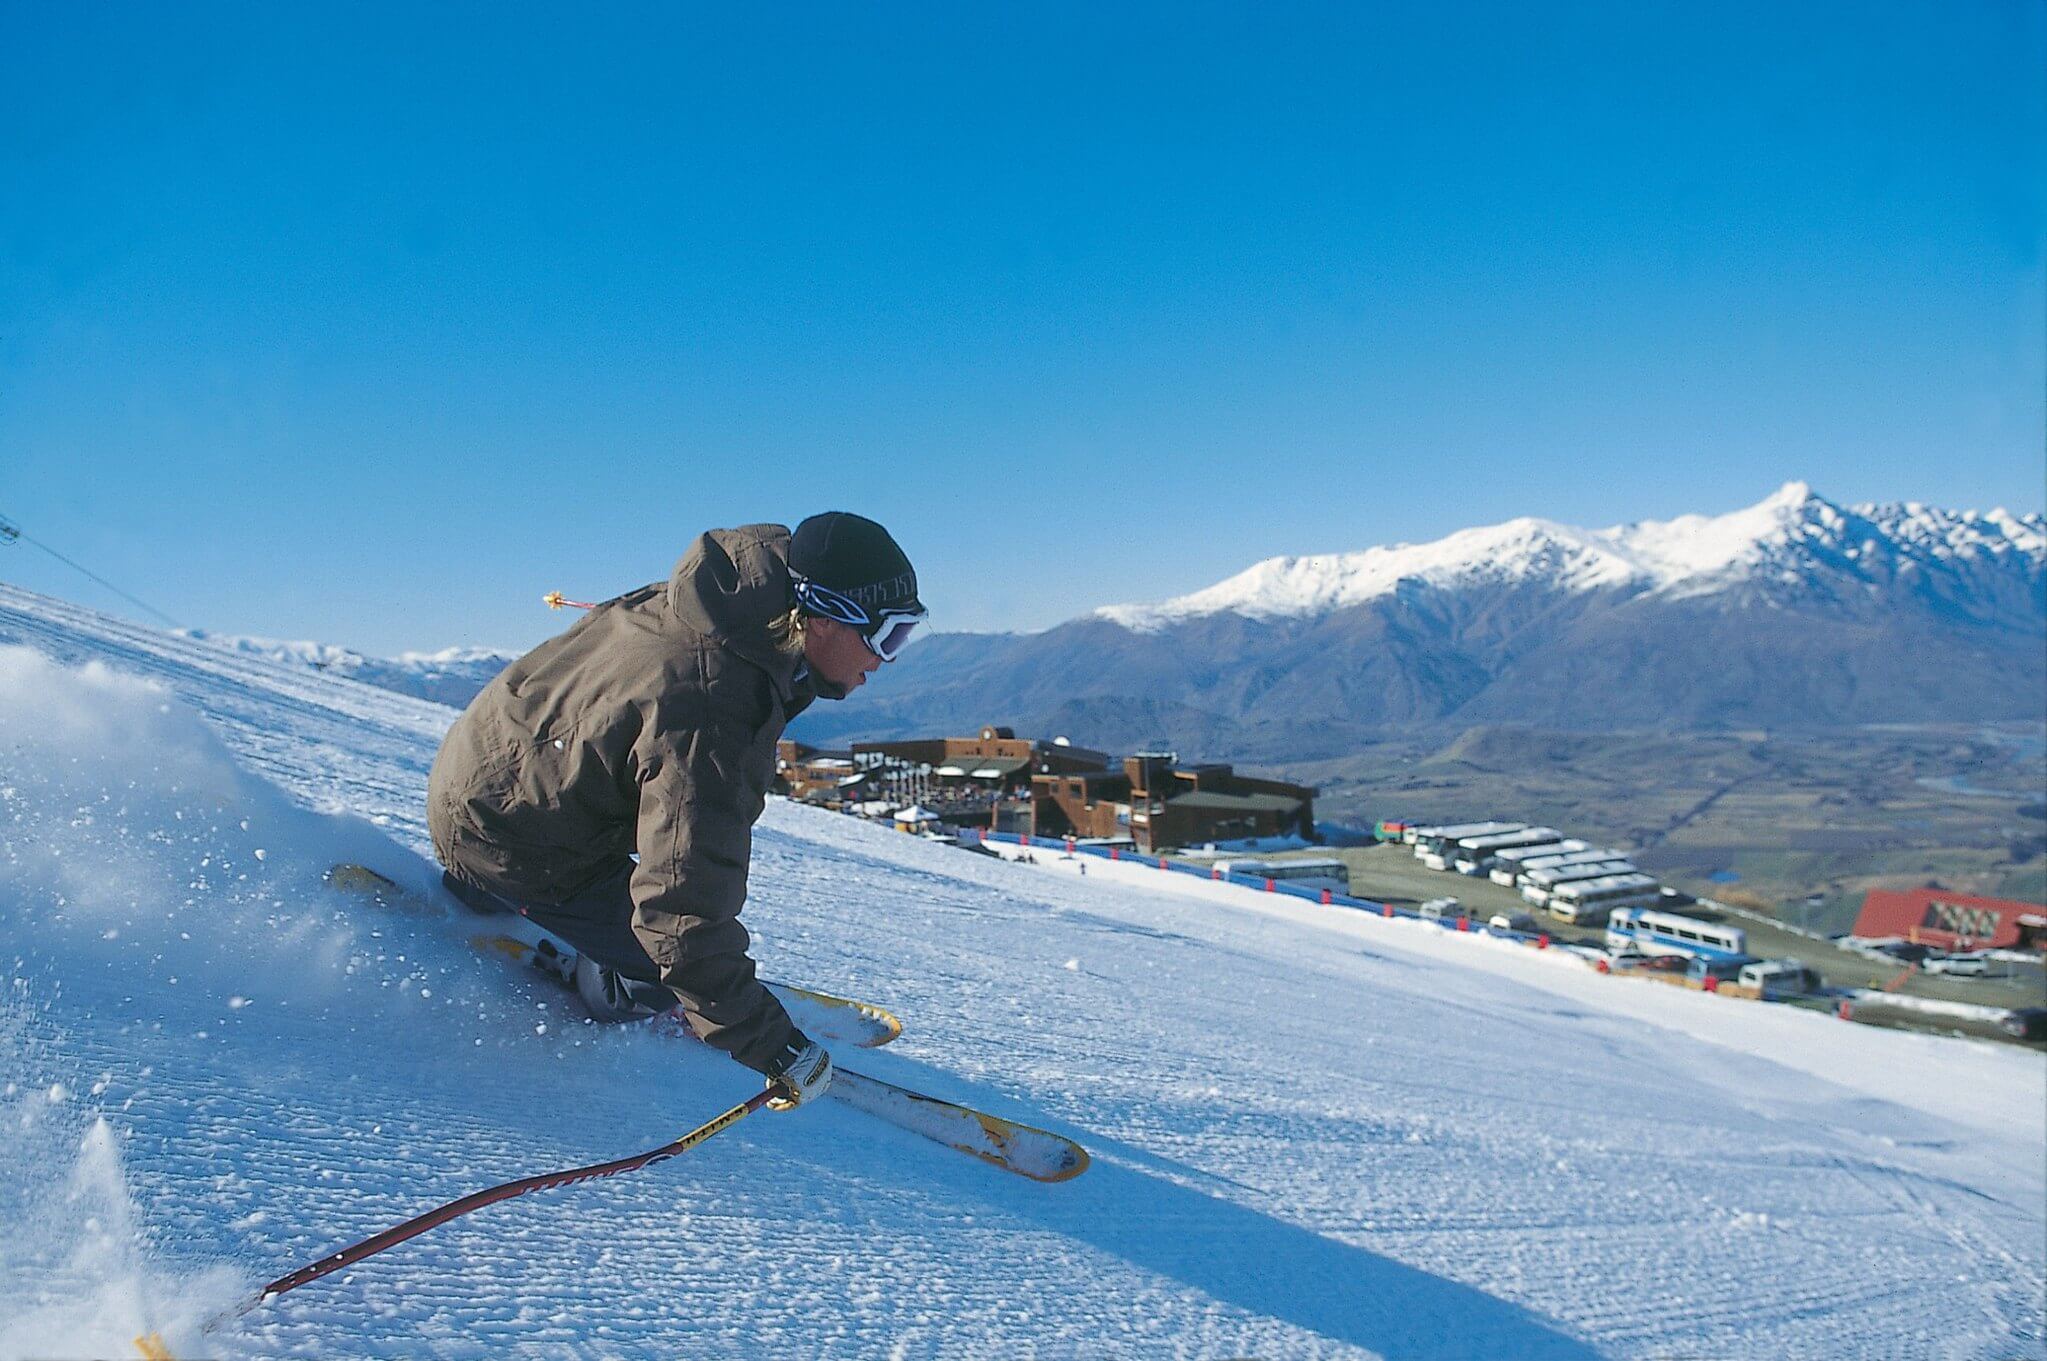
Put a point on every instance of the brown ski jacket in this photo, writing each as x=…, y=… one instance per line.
x=649, y=726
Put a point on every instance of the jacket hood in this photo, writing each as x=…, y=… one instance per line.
x=730, y=586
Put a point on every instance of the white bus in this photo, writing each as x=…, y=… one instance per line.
x=1588, y=902
x=1432, y=845
x=1510, y=860
x=1538, y=886
x=1646, y=932
x=1473, y=855
x=1333, y=875
x=1507, y=873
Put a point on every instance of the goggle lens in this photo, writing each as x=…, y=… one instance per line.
x=894, y=633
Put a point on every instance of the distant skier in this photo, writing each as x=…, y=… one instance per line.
x=651, y=726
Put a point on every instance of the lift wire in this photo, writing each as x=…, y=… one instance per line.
x=11, y=532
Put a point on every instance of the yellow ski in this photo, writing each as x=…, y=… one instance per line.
x=821, y=1014
x=1023, y=1149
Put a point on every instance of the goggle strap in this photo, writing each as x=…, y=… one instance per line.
x=825, y=601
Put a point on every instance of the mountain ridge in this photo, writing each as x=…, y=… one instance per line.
x=1692, y=554
x=1793, y=612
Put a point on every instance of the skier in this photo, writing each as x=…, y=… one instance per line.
x=651, y=726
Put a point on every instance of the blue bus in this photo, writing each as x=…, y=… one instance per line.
x=1644, y=931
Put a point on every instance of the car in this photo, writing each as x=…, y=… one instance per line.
x=2024, y=1023
x=1719, y=970
x=1653, y=963
x=1958, y=966
x=1774, y=978
x=1435, y=909
x=1514, y=921
x=1906, y=951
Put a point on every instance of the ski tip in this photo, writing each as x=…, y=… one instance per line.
x=871, y=1026
x=153, y=1348
x=1074, y=1163
x=1029, y=1151
x=886, y=1026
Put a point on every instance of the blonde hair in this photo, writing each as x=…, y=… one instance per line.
x=786, y=632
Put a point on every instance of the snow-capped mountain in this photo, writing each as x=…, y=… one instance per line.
x=450, y=676
x=1795, y=612
x=1790, y=539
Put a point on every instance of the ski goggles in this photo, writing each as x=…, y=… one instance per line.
x=886, y=632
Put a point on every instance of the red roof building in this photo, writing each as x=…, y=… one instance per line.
x=1953, y=921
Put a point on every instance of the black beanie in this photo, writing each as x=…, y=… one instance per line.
x=855, y=557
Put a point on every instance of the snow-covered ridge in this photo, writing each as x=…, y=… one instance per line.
x=1694, y=554
x=451, y=675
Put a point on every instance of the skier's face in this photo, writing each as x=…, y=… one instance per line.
x=836, y=652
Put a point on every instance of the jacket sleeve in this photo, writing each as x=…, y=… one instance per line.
x=697, y=809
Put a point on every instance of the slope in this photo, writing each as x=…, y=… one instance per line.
x=1312, y=1138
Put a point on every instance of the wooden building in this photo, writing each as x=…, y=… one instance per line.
x=1160, y=804
x=966, y=779
x=814, y=776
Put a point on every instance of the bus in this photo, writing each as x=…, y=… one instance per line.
x=1473, y=855
x=1333, y=875
x=1537, y=885
x=1517, y=872
x=1639, y=930
x=1510, y=860
x=1588, y=902
x=1432, y=844
x=1507, y=873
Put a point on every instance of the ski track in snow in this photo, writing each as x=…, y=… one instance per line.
x=1316, y=1134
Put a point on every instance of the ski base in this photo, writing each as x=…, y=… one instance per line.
x=1023, y=1149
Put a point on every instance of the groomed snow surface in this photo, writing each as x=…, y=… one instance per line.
x=1315, y=1133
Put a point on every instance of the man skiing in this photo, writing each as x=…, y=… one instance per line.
x=650, y=727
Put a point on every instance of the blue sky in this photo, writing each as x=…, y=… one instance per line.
x=371, y=324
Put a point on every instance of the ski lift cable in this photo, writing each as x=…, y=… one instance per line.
x=10, y=532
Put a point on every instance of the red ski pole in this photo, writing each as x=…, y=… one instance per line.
x=151, y=1345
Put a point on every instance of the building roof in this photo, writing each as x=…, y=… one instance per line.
x=982, y=767
x=1938, y=917
x=1246, y=803
x=1090, y=777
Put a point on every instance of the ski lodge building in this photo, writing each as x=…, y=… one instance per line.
x=814, y=776
x=1159, y=804
x=995, y=762
x=974, y=781
x=1953, y=921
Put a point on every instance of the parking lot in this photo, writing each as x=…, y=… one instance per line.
x=1390, y=873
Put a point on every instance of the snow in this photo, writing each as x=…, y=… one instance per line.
x=1689, y=555
x=1315, y=1133
x=449, y=675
